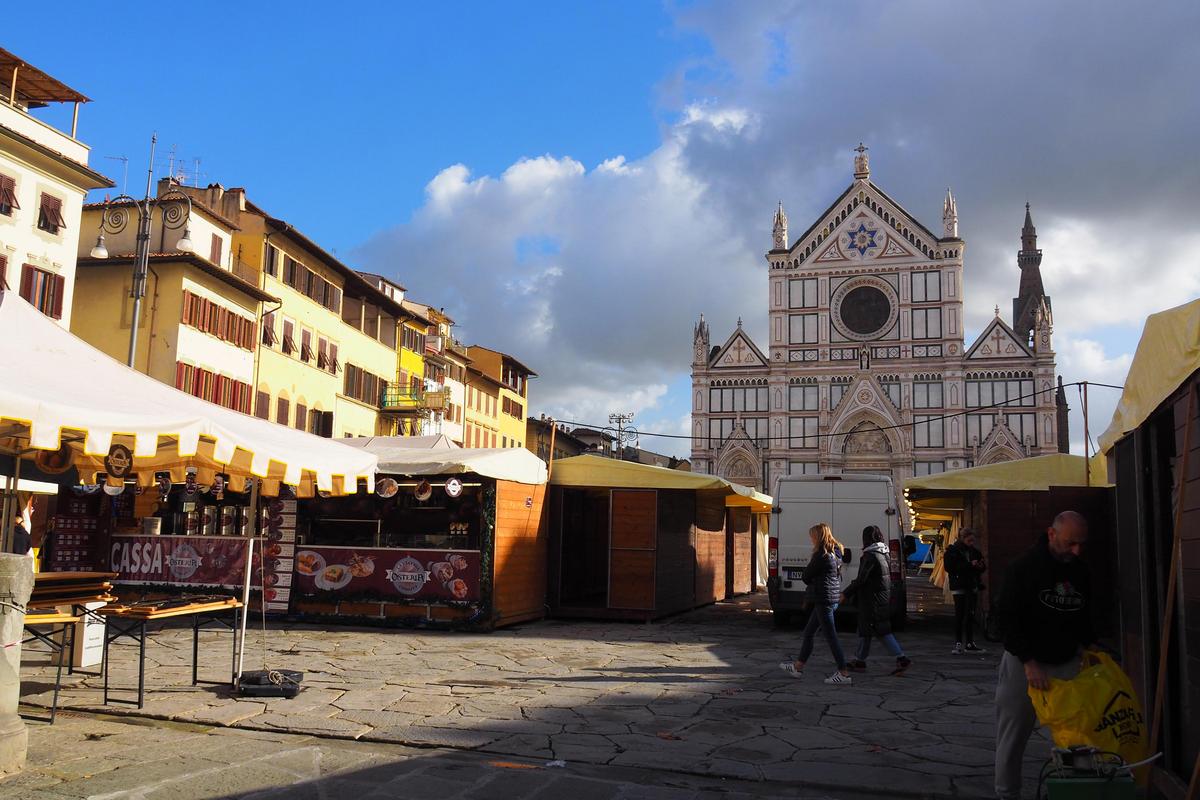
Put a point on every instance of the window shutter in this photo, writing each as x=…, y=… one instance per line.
x=333, y=360
x=301, y=416
x=282, y=411
x=214, y=250
x=27, y=272
x=262, y=405
x=59, y=287
x=3, y=272
x=326, y=424
x=8, y=195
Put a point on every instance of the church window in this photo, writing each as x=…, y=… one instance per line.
x=751, y=398
x=926, y=287
x=802, y=328
x=927, y=323
x=719, y=430
x=802, y=432
x=802, y=293
x=927, y=394
x=803, y=398
x=837, y=390
x=803, y=468
x=984, y=393
x=923, y=468
x=927, y=431
x=891, y=387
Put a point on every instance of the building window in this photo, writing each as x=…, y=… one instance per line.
x=214, y=250
x=927, y=395
x=802, y=293
x=725, y=400
x=802, y=328
x=412, y=340
x=301, y=417
x=927, y=431
x=926, y=287
x=719, y=430
x=268, y=330
x=891, y=387
x=837, y=390
x=802, y=432
x=804, y=397
x=290, y=270
x=979, y=427
x=927, y=323
x=209, y=317
x=8, y=195
x=306, y=350
x=271, y=260
x=282, y=411
x=923, y=468
x=1006, y=392
x=804, y=468
x=364, y=386
x=43, y=290
x=50, y=218
x=334, y=364
x=262, y=405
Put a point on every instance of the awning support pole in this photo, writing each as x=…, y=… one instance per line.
x=1164, y=641
x=241, y=634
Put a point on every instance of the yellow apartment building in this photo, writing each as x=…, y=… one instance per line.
x=481, y=414
x=198, y=328
x=511, y=378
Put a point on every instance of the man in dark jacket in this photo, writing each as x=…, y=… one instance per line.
x=871, y=592
x=21, y=541
x=964, y=564
x=1046, y=614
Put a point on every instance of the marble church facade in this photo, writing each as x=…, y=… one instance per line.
x=866, y=368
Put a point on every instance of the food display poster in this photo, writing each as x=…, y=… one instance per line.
x=389, y=574
x=183, y=560
x=279, y=532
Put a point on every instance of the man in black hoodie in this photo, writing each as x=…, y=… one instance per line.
x=1046, y=614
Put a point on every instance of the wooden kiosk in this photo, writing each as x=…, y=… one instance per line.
x=632, y=541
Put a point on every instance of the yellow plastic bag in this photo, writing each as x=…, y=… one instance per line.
x=1098, y=707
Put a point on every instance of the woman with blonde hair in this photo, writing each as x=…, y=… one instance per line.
x=823, y=577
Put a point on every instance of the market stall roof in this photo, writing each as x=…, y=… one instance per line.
x=1167, y=353
x=502, y=463
x=1028, y=474
x=65, y=390
x=588, y=470
x=439, y=442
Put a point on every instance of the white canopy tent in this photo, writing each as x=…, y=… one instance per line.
x=66, y=398
x=61, y=390
x=506, y=464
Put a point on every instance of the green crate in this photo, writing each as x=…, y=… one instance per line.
x=1091, y=788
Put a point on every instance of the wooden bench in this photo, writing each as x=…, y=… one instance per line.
x=61, y=624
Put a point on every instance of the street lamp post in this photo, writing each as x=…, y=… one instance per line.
x=176, y=211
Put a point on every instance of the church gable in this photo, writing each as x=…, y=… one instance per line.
x=997, y=341
x=863, y=398
x=865, y=224
x=738, y=353
x=1000, y=445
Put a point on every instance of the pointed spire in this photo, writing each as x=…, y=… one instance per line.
x=779, y=229
x=700, y=342
x=739, y=323
x=949, y=216
x=1028, y=232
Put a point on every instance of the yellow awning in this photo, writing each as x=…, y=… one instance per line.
x=1029, y=474
x=1167, y=353
x=597, y=471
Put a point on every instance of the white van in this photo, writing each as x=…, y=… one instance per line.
x=848, y=503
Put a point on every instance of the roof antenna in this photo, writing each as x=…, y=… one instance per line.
x=124, y=171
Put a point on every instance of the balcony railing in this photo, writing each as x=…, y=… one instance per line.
x=405, y=400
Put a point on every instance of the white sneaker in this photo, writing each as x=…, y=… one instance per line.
x=790, y=668
x=838, y=678
x=958, y=649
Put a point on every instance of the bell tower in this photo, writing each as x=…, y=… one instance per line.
x=779, y=230
x=1031, y=292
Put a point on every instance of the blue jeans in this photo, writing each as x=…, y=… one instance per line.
x=822, y=617
x=889, y=641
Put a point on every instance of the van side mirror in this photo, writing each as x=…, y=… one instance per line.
x=846, y=556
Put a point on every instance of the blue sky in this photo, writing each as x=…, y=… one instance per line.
x=576, y=182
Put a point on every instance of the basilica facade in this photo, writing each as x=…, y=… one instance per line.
x=866, y=369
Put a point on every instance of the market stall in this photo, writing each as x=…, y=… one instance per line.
x=634, y=541
x=1152, y=448
x=169, y=481
x=1010, y=505
x=451, y=537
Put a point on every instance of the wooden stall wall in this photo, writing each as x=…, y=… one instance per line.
x=675, y=567
x=1186, y=401
x=520, y=553
x=632, y=543
x=709, y=542
x=739, y=551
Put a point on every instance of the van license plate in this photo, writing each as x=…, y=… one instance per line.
x=795, y=574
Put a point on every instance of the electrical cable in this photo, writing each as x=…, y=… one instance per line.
x=974, y=410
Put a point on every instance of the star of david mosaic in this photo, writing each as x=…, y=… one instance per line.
x=862, y=239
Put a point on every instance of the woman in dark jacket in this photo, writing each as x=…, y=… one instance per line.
x=823, y=577
x=871, y=592
x=964, y=564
